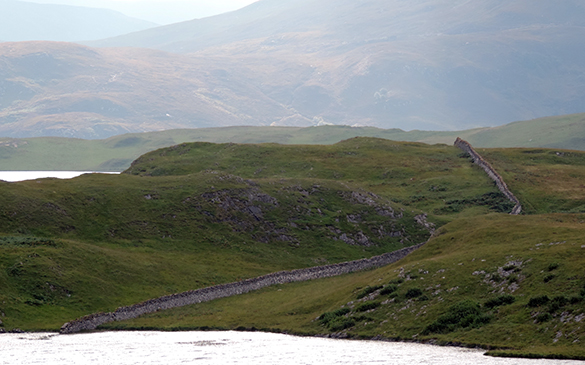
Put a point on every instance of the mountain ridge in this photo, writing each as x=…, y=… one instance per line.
x=27, y=21
x=429, y=65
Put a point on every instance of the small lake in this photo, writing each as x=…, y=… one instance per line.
x=13, y=176
x=129, y=348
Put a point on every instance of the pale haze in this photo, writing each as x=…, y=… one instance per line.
x=160, y=12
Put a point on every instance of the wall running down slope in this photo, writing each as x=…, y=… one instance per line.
x=466, y=147
x=92, y=321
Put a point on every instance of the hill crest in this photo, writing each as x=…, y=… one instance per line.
x=28, y=21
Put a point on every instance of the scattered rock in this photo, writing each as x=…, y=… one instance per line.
x=340, y=335
x=386, y=212
x=354, y=218
x=362, y=239
x=55, y=208
x=347, y=240
x=363, y=198
x=422, y=220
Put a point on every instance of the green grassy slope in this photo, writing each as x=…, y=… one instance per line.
x=116, y=240
x=199, y=214
x=565, y=131
x=544, y=180
x=116, y=153
x=436, y=179
x=526, y=257
x=495, y=264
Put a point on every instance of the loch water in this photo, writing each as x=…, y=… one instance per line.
x=14, y=176
x=257, y=348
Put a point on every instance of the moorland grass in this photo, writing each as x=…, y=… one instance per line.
x=454, y=268
x=430, y=178
x=116, y=153
x=124, y=239
x=201, y=214
x=544, y=180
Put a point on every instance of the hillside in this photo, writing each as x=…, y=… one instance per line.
x=199, y=214
x=116, y=153
x=26, y=21
x=67, y=90
x=505, y=284
x=428, y=66
x=371, y=21
x=153, y=235
x=565, y=132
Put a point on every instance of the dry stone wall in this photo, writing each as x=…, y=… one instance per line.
x=477, y=159
x=92, y=321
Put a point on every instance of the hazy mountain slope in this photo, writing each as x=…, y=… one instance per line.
x=62, y=89
x=429, y=65
x=354, y=22
x=24, y=21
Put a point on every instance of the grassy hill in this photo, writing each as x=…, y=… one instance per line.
x=199, y=214
x=138, y=237
x=116, y=153
x=476, y=283
x=565, y=131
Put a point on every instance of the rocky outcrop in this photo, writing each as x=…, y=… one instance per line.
x=92, y=321
x=477, y=159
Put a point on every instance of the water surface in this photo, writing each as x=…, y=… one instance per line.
x=13, y=176
x=129, y=348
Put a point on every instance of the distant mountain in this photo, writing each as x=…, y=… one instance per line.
x=421, y=64
x=116, y=153
x=424, y=64
x=67, y=90
x=24, y=21
x=347, y=24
